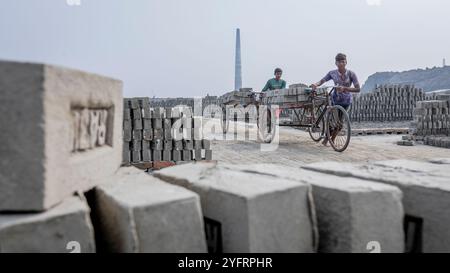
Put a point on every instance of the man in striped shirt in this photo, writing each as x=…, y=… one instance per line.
x=343, y=79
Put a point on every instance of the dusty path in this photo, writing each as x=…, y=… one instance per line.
x=296, y=147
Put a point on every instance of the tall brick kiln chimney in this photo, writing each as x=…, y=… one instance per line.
x=238, y=65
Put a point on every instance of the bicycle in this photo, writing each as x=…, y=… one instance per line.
x=329, y=121
x=324, y=120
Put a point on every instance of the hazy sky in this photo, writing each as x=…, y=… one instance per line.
x=172, y=48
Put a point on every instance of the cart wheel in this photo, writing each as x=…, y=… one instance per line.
x=317, y=129
x=224, y=122
x=225, y=125
x=266, y=131
x=338, y=128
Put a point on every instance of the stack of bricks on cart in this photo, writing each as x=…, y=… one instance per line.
x=386, y=103
x=162, y=134
x=290, y=95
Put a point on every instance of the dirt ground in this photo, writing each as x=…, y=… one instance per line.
x=296, y=147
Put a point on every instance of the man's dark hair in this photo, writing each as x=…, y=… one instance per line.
x=278, y=70
x=341, y=57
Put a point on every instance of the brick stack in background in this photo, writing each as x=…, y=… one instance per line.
x=171, y=102
x=244, y=96
x=155, y=134
x=291, y=95
x=189, y=102
x=386, y=103
x=432, y=121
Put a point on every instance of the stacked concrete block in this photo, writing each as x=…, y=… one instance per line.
x=386, y=103
x=153, y=134
x=426, y=196
x=291, y=95
x=437, y=141
x=351, y=212
x=257, y=213
x=298, y=85
x=188, y=102
x=171, y=102
x=381, y=131
x=244, y=96
x=432, y=118
x=405, y=143
x=139, y=213
x=61, y=133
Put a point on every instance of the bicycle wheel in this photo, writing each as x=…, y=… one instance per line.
x=317, y=129
x=338, y=128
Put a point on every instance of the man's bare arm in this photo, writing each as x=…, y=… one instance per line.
x=355, y=89
x=317, y=84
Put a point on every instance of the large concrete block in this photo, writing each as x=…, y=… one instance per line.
x=140, y=213
x=351, y=212
x=257, y=213
x=61, y=132
x=426, y=190
x=56, y=230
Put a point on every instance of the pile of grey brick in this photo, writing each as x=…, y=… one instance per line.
x=189, y=102
x=432, y=121
x=438, y=141
x=425, y=195
x=51, y=152
x=442, y=141
x=244, y=96
x=290, y=95
x=154, y=134
x=380, y=131
x=432, y=117
x=405, y=142
x=387, y=103
x=297, y=85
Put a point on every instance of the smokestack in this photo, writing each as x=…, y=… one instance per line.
x=443, y=62
x=238, y=65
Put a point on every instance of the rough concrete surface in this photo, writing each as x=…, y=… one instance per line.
x=140, y=213
x=426, y=190
x=351, y=212
x=258, y=213
x=53, y=231
x=61, y=132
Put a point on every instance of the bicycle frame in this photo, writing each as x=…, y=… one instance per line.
x=322, y=114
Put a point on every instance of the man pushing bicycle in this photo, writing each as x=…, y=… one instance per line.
x=343, y=80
